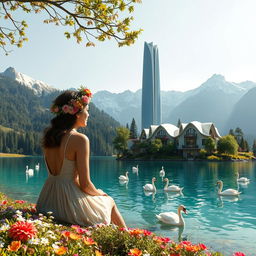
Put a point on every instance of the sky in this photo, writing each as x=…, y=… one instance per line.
x=195, y=39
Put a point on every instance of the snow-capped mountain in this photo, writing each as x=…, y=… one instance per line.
x=37, y=86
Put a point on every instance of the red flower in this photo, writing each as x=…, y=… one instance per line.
x=135, y=252
x=22, y=231
x=238, y=254
x=202, y=247
x=20, y=201
x=4, y=202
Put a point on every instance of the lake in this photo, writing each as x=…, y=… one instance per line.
x=224, y=224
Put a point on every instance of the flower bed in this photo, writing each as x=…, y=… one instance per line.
x=24, y=232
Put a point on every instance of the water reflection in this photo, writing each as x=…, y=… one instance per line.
x=223, y=199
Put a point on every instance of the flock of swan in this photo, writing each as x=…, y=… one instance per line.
x=172, y=218
x=30, y=171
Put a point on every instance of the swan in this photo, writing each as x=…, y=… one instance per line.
x=242, y=179
x=29, y=171
x=135, y=169
x=37, y=166
x=150, y=187
x=124, y=178
x=227, y=192
x=173, y=218
x=172, y=188
x=162, y=172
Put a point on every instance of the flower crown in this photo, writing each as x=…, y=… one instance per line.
x=75, y=105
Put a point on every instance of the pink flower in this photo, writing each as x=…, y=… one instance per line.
x=202, y=247
x=65, y=109
x=22, y=231
x=238, y=254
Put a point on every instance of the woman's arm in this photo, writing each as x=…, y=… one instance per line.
x=82, y=162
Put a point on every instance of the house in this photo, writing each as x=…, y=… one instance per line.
x=189, y=138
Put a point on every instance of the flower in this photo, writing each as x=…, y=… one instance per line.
x=14, y=246
x=4, y=202
x=202, y=247
x=238, y=254
x=20, y=201
x=88, y=241
x=61, y=250
x=22, y=231
x=74, y=236
x=135, y=252
x=76, y=104
x=135, y=232
x=98, y=253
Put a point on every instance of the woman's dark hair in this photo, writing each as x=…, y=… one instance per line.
x=61, y=123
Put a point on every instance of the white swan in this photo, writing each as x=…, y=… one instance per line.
x=242, y=179
x=135, y=169
x=150, y=187
x=162, y=172
x=37, y=166
x=172, y=188
x=227, y=192
x=29, y=171
x=173, y=218
x=124, y=178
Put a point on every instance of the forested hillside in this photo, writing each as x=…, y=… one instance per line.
x=24, y=115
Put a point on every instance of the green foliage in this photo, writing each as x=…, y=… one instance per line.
x=155, y=145
x=133, y=130
x=24, y=116
x=254, y=147
x=227, y=144
x=209, y=145
x=202, y=153
x=120, y=141
x=88, y=20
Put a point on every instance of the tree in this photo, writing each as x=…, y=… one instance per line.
x=85, y=19
x=231, y=132
x=120, y=141
x=210, y=145
x=155, y=146
x=133, y=130
x=227, y=144
x=239, y=135
x=254, y=147
x=179, y=123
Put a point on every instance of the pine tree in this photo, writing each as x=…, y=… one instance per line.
x=254, y=147
x=133, y=130
x=231, y=132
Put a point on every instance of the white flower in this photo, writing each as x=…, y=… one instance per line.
x=4, y=227
x=34, y=241
x=18, y=212
x=56, y=245
x=50, y=213
x=20, y=218
x=44, y=241
x=1, y=244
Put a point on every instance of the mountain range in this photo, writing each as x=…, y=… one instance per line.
x=227, y=104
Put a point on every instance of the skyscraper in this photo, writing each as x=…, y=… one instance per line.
x=151, y=102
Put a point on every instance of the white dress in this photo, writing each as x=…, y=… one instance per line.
x=68, y=203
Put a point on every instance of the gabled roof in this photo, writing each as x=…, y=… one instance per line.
x=146, y=131
x=152, y=129
x=171, y=129
x=203, y=128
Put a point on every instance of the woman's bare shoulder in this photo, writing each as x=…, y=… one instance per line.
x=80, y=137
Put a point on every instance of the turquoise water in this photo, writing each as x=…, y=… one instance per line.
x=224, y=224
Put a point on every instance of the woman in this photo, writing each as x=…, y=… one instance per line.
x=68, y=191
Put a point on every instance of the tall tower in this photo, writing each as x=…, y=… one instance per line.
x=151, y=102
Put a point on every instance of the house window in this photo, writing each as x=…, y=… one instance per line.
x=161, y=133
x=190, y=132
x=203, y=141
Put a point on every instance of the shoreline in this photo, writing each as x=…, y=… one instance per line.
x=12, y=155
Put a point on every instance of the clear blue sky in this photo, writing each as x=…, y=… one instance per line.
x=195, y=38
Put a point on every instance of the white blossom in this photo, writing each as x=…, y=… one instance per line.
x=4, y=227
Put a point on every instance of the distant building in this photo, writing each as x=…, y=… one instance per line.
x=189, y=138
x=151, y=102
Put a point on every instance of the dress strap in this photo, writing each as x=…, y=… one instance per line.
x=66, y=145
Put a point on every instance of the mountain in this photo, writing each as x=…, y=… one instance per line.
x=24, y=114
x=213, y=101
x=243, y=114
x=38, y=87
